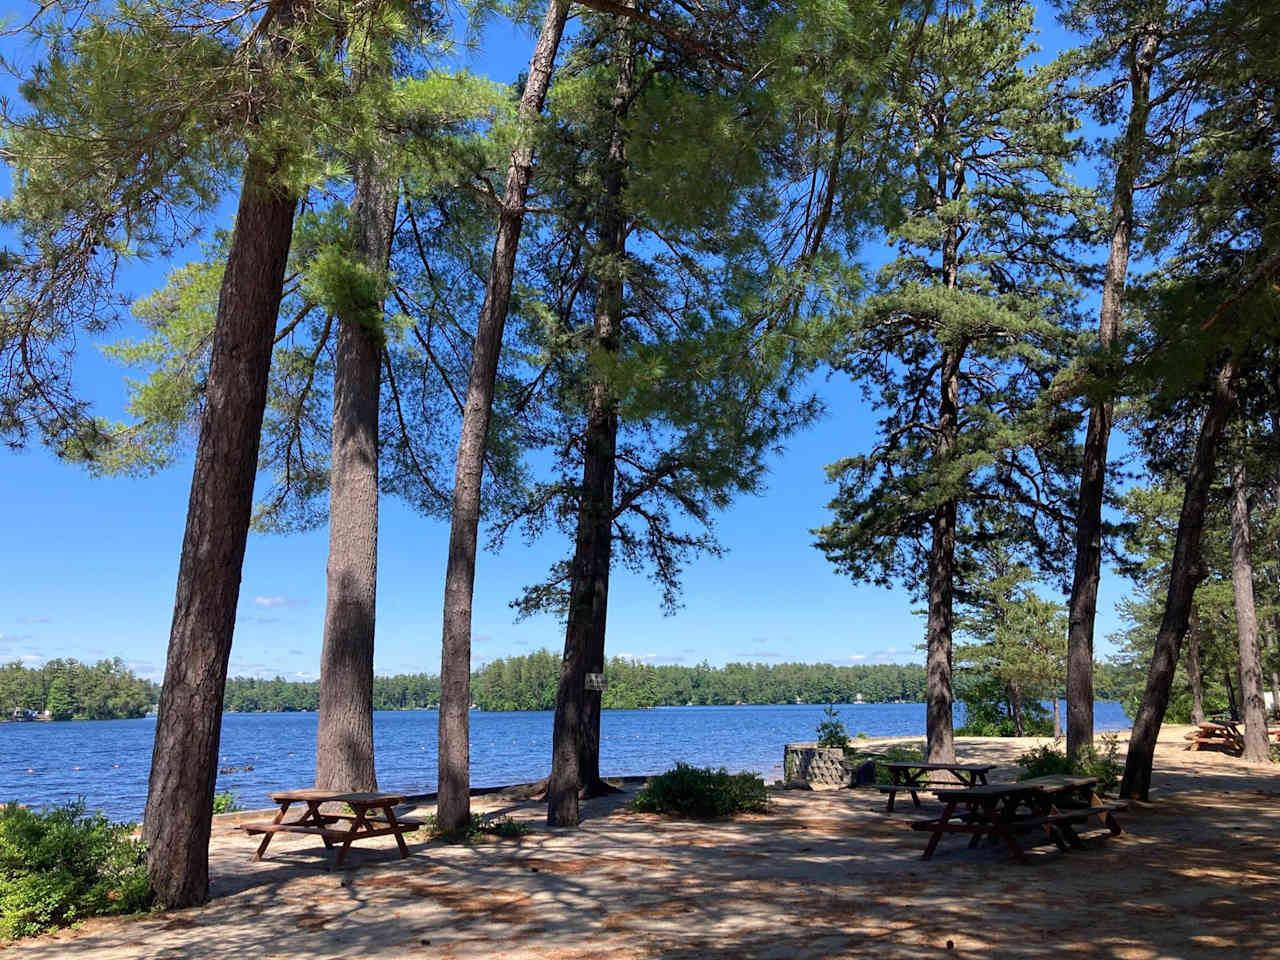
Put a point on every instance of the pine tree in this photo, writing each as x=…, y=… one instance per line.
x=963, y=333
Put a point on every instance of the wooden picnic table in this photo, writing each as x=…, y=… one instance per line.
x=910, y=776
x=1054, y=803
x=1221, y=732
x=372, y=815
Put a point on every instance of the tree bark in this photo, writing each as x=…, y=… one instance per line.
x=1275, y=675
x=184, y=759
x=575, y=754
x=939, y=727
x=1186, y=571
x=454, y=803
x=1057, y=716
x=1252, y=706
x=1083, y=605
x=344, y=730
x=1194, y=676
x=1015, y=707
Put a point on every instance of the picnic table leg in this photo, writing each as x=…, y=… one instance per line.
x=319, y=819
x=937, y=831
x=266, y=837
x=356, y=824
x=1111, y=822
x=892, y=793
x=395, y=825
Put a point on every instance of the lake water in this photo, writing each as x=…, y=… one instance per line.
x=107, y=762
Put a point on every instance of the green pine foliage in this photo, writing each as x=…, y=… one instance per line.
x=62, y=865
x=980, y=208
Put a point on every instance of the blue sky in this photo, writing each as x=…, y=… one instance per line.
x=88, y=566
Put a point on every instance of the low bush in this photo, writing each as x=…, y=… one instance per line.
x=1104, y=764
x=225, y=803
x=702, y=792
x=60, y=865
x=479, y=825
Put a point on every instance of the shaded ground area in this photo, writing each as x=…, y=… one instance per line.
x=821, y=875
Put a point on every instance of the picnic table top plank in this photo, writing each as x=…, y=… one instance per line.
x=1061, y=781
x=985, y=790
x=921, y=765
x=310, y=795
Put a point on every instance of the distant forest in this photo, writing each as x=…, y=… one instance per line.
x=71, y=690
x=108, y=690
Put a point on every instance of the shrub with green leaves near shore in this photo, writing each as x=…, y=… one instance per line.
x=702, y=792
x=61, y=865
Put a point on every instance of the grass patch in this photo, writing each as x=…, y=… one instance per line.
x=61, y=865
x=702, y=792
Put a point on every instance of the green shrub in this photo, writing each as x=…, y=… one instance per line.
x=61, y=865
x=478, y=825
x=831, y=732
x=225, y=803
x=702, y=792
x=1104, y=764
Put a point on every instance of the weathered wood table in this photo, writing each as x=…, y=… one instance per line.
x=1222, y=732
x=372, y=815
x=910, y=777
x=1056, y=804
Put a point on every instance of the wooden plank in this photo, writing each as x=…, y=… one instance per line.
x=256, y=828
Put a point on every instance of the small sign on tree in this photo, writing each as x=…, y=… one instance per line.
x=595, y=681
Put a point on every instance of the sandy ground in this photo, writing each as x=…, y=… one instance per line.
x=823, y=874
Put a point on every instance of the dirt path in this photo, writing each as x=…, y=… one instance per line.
x=821, y=875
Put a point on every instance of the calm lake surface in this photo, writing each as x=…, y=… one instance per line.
x=107, y=762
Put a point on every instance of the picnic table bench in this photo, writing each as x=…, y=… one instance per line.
x=909, y=776
x=1056, y=804
x=372, y=815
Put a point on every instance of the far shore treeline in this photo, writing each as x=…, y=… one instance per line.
x=108, y=690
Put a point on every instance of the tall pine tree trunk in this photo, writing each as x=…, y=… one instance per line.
x=344, y=731
x=1195, y=678
x=939, y=726
x=575, y=754
x=184, y=759
x=1083, y=604
x=1186, y=571
x=454, y=804
x=1275, y=674
x=1252, y=707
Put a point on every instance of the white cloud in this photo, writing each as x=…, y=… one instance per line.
x=271, y=602
x=857, y=657
x=34, y=620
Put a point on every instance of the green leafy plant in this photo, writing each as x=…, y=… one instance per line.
x=1104, y=764
x=831, y=732
x=477, y=826
x=225, y=802
x=60, y=865
x=702, y=792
